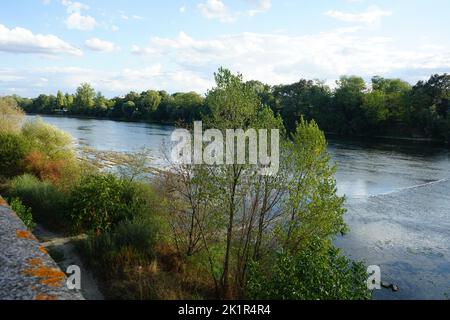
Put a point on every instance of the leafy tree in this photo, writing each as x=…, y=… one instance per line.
x=128, y=108
x=347, y=102
x=60, y=100
x=84, y=99
x=149, y=102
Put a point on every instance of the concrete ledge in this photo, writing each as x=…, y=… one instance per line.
x=27, y=272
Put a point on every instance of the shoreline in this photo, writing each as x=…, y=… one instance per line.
x=442, y=143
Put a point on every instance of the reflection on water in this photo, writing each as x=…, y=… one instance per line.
x=398, y=200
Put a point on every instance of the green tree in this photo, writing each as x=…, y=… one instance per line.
x=149, y=102
x=347, y=102
x=84, y=99
x=60, y=100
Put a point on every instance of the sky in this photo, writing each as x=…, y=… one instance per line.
x=177, y=45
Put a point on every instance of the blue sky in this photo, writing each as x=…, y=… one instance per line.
x=119, y=45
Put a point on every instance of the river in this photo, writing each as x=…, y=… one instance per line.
x=398, y=200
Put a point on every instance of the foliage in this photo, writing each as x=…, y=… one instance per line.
x=46, y=201
x=100, y=201
x=11, y=115
x=50, y=141
x=23, y=212
x=383, y=107
x=314, y=210
x=228, y=215
x=13, y=148
x=315, y=273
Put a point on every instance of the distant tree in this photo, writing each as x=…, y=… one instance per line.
x=128, y=108
x=306, y=98
x=101, y=104
x=84, y=99
x=347, y=102
x=60, y=100
x=149, y=102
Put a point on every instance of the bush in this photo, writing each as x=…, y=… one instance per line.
x=13, y=148
x=54, y=143
x=101, y=201
x=46, y=201
x=138, y=236
x=23, y=212
x=313, y=274
x=11, y=116
x=47, y=170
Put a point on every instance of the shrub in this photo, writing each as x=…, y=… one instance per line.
x=313, y=274
x=36, y=163
x=100, y=201
x=11, y=116
x=13, y=148
x=137, y=236
x=54, y=143
x=47, y=202
x=23, y=212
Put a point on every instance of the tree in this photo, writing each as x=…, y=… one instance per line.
x=84, y=99
x=101, y=104
x=232, y=215
x=375, y=108
x=306, y=98
x=128, y=108
x=60, y=100
x=347, y=102
x=149, y=102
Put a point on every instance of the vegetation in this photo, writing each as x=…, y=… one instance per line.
x=384, y=107
x=23, y=212
x=314, y=273
x=47, y=202
x=196, y=231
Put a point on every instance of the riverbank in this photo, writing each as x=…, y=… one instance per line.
x=328, y=134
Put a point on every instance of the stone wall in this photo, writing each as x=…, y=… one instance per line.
x=27, y=272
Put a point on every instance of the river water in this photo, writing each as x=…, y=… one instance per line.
x=398, y=200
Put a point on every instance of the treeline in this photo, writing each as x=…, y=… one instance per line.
x=385, y=107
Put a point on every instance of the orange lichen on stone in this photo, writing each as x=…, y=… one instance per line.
x=43, y=249
x=35, y=262
x=24, y=235
x=3, y=202
x=49, y=276
x=43, y=297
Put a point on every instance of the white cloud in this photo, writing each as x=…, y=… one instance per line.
x=111, y=83
x=216, y=9
x=96, y=44
x=74, y=6
x=278, y=58
x=182, y=9
x=76, y=20
x=79, y=22
x=262, y=6
x=20, y=40
x=371, y=16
